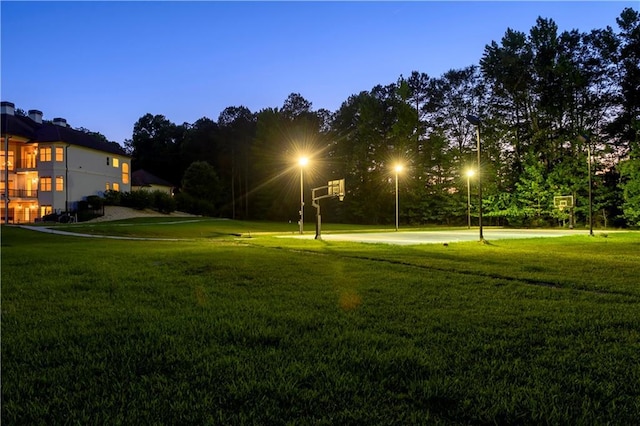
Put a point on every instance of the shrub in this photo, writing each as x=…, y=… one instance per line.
x=95, y=202
x=139, y=200
x=163, y=202
x=112, y=198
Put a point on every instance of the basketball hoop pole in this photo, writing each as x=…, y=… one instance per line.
x=315, y=202
x=331, y=192
x=586, y=139
x=565, y=201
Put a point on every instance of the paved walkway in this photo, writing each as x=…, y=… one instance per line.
x=75, y=234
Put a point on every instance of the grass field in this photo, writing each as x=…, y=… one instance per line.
x=236, y=326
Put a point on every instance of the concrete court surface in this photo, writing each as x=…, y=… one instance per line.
x=440, y=237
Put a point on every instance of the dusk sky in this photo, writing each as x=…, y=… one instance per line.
x=103, y=65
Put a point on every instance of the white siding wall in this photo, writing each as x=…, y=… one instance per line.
x=85, y=172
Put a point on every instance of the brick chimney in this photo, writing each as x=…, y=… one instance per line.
x=35, y=115
x=7, y=108
x=60, y=122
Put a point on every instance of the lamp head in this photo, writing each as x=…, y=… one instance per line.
x=473, y=120
x=303, y=161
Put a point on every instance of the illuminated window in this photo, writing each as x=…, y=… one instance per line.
x=10, y=161
x=116, y=186
x=45, y=154
x=107, y=186
x=59, y=183
x=116, y=162
x=45, y=184
x=125, y=173
x=59, y=154
x=45, y=210
x=29, y=158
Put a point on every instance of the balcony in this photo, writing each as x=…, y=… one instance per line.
x=28, y=164
x=21, y=193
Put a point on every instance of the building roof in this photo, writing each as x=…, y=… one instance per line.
x=144, y=178
x=18, y=125
x=48, y=132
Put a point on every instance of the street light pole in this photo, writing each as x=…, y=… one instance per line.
x=476, y=122
x=469, y=174
x=590, y=195
x=303, y=162
x=6, y=179
x=398, y=169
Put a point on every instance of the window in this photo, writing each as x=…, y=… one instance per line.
x=45, y=154
x=45, y=184
x=12, y=186
x=125, y=173
x=107, y=161
x=107, y=186
x=10, y=161
x=59, y=153
x=59, y=183
x=45, y=210
x=29, y=157
x=116, y=162
x=116, y=186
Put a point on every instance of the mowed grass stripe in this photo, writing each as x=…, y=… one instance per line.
x=602, y=265
x=225, y=332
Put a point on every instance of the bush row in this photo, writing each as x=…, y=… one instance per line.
x=140, y=200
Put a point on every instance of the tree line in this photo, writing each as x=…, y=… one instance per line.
x=553, y=106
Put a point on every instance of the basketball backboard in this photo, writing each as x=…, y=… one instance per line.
x=336, y=188
x=563, y=201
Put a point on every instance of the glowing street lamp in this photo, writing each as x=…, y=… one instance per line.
x=302, y=161
x=476, y=122
x=398, y=169
x=469, y=174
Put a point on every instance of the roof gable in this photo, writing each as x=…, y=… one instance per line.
x=144, y=178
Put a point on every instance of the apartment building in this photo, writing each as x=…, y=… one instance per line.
x=49, y=167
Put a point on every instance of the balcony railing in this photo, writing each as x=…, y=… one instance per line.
x=21, y=193
x=28, y=163
x=22, y=164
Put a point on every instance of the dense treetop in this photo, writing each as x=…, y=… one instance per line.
x=548, y=102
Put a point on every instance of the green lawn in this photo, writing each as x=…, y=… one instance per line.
x=222, y=329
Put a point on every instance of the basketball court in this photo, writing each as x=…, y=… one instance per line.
x=441, y=237
x=336, y=188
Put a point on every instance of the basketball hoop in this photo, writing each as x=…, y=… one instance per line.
x=563, y=201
